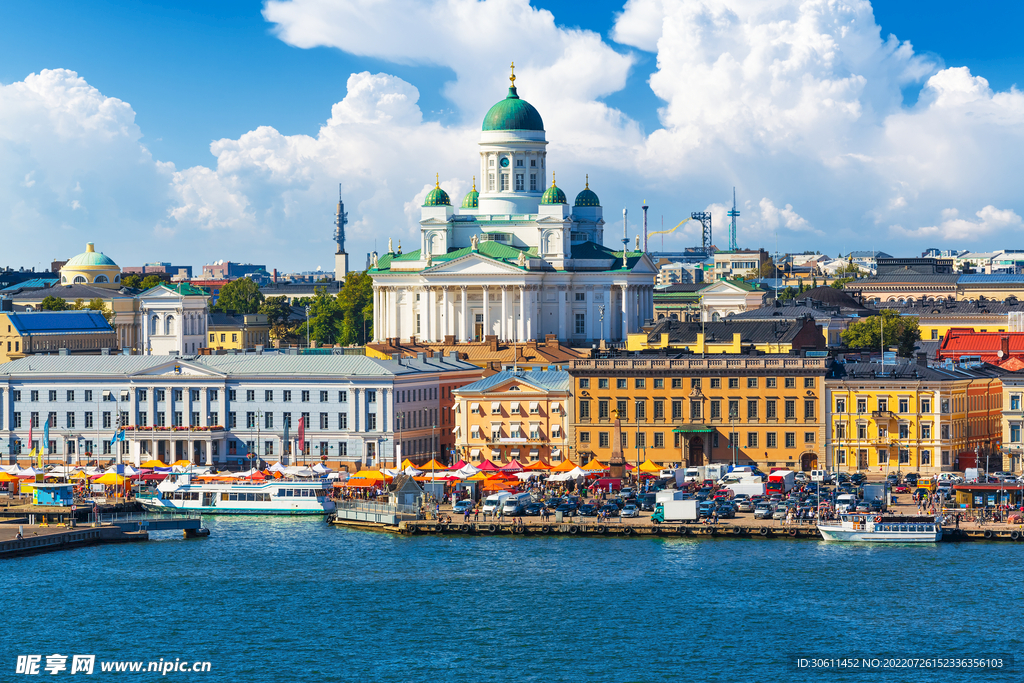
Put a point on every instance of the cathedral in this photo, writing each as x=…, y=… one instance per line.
x=516, y=260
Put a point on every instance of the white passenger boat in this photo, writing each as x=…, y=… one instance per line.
x=867, y=528
x=243, y=497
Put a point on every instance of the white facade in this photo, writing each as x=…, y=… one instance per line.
x=517, y=261
x=172, y=322
x=725, y=298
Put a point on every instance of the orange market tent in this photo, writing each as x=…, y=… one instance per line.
x=503, y=476
x=649, y=467
x=180, y=463
x=407, y=463
x=369, y=475
x=537, y=466
x=594, y=466
x=111, y=478
x=479, y=476
x=8, y=477
x=154, y=463
x=432, y=466
x=564, y=466
x=362, y=483
x=495, y=485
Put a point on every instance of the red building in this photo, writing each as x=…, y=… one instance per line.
x=992, y=347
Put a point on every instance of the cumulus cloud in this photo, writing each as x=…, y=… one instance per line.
x=798, y=103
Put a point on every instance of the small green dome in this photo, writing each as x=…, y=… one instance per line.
x=587, y=197
x=513, y=113
x=554, y=194
x=90, y=257
x=437, y=196
x=472, y=200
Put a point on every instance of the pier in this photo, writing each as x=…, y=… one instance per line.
x=44, y=539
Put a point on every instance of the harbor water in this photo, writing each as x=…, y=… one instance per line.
x=267, y=599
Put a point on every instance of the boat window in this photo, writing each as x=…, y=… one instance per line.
x=903, y=527
x=280, y=493
x=224, y=495
x=232, y=496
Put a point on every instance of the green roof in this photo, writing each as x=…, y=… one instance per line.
x=437, y=197
x=472, y=200
x=587, y=197
x=513, y=113
x=184, y=288
x=553, y=195
x=490, y=249
x=90, y=258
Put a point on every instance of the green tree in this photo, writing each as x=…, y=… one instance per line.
x=276, y=309
x=132, y=281
x=787, y=294
x=901, y=331
x=54, y=303
x=841, y=282
x=768, y=269
x=356, y=302
x=100, y=305
x=850, y=268
x=151, y=281
x=324, y=323
x=241, y=295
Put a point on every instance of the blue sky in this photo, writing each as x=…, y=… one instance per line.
x=195, y=72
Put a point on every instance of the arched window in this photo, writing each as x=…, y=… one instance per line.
x=154, y=324
x=102, y=278
x=715, y=317
x=169, y=325
x=80, y=280
x=117, y=278
x=63, y=280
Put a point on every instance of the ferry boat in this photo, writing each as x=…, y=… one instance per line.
x=867, y=528
x=277, y=497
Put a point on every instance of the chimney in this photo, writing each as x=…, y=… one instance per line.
x=1004, y=345
x=922, y=359
x=551, y=340
x=449, y=340
x=454, y=355
x=492, y=341
x=275, y=276
x=104, y=352
x=421, y=356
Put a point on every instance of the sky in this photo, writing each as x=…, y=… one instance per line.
x=195, y=131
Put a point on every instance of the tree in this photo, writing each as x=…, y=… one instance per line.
x=324, y=323
x=850, y=268
x=276, y=309
x=841, y=282
x=54, y=303
x=786, y=294
x=768, y=269
x=132, y=281
x=901, y=331
x=242, y=296
x=100, y=305
x=151, y=281
x=356, y=302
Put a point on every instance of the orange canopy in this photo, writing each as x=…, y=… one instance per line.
x=361, y=483
x=432, y=466
x=564, y=466
x=594, y=466
x=495, y=485
x=537, y=466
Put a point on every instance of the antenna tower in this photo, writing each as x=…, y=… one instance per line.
x=733, y=214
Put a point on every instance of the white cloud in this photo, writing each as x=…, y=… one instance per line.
x=1004, y=223
x=797, y=102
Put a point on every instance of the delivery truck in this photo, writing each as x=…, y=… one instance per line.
x=780, y=481
x=676, y=511
x=751, y=488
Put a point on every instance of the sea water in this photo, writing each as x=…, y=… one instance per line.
x=270, y=599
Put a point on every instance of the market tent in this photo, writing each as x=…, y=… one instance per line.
x=502, y=476
x=513, y=466
x=320, y=469
x=153, y=476
x=564, y=466
x=594, y=466
x=407, y=463
x=466, y=471
x=537, y=466
x=459, y=465
x=111, y=478
x=370, y=475
x=153, y=463
x=361, y=482
x=4, y=476
x=479, y=476
x=492, y=485
x=76, y=475
x=487, y=466
x=649, y=467
x=433, y=466
x=180, y=463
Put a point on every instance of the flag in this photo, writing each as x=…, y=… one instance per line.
x=46, y=437
x=285, y=439
x=302, y=434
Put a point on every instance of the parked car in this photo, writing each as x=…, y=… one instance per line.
x=801, y=477
x=610, y=510
x=588, y=510
x=462, y=506
x=858, y=478
x=533, y=510
x=892, y=480
x=706, y=508
x=863, y=506
x=744, y=505
x=566, y=509
x=876, y=506
x=630, y=510
x=780, y=512
x=763, y=511
x=910, y=479
x=726, y=510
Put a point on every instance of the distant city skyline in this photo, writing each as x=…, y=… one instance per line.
x=189, y=133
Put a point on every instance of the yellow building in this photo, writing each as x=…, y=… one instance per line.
x=91, y=268
x=765, y=410
x=729, y=336
x=912, y=418
x=52, y=332
x=937, y=318
x=1012, y=420
x=514, y=414
x=232, y=331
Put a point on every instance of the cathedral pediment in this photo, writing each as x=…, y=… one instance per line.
x=179, y=368
x=473, y=264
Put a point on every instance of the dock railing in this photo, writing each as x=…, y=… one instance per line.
x=377, y=513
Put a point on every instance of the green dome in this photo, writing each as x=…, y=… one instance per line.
x=437, y=197
x=587, y=197
x=553, y=195
x=90, y=258
x=513, y=113
x=472, y=200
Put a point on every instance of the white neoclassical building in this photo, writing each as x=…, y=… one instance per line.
x=516, y=260
x=173, y=320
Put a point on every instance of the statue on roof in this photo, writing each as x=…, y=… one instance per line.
x=637, y=247
x=391, y=249
x=473, y=242
x=521, y=260
x=373, y=260
x=430, y=261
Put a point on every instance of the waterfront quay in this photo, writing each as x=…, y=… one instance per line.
x=31, y=539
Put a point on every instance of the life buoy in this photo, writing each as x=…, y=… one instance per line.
x=878, y=519
x=736, y=531
x=626, y=531
x=1015, y=535
x=601, y=529
x=655, y=529
x=414, y=529
x=793, y=532
x=545, y=529
x=988, y=534
x=492, y=528
x=443, y=528
x=520, y=529
x=466, y=528
x=711, y=531
x=685, y=531
x=574, y=529
x=764, y=531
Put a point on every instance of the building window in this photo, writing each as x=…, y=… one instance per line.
x=716, y=409
x=581, y=324
x=840, y=405
x=904, y=405
x=305, y=397
x=641, y=411
x=926, y=405
x=734, y=382
x=659, y=410
x=751, y=383
x=371, y=422
x=695, y=383
x=584, y=410
x=490, y=179
x=620, y=384
x=840, y=430
x=926, y=430
x=751, y=410
x=602, y=440
x=639, y=383
x=533, y=180
x=862, y=405
x=904, y=431
x=641, y=439
x=926, y=457
x=808, y=382
x=677, y=410
x=790, y=383
x=269, y=421
x=602, y=384
x=772, y=440
x=268, y=396
x=790, y=439
x=769, y=410
x=694, y=410
x=751, y=439
x=790, y=410
x=602, y=410
x=770, y=382
x=324, y=421
x=809, y=410
x=808, y=437
x=883, y=405
x=520, y=184
x=584, y=383
x=504, y=182
x=620, y=408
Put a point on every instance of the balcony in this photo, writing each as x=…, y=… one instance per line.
x=883, y=415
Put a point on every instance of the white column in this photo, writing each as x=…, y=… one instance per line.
x=435, y=323
x=537, y=318
x=487, y=312
x=464, y=323
x=393, y=311
x=503, y=327
x=625, y=311
x=445, y=312
x=521, y=327
x=376, y=313
x=591, y=320
x=355, y=410
x=562, y=336
x=425, y=313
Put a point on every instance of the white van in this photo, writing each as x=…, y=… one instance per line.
x=515, y=503
x=821, y=476
x=845, y=500
x=495, y=500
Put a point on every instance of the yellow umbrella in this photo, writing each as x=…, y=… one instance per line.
x=111, y=478
x=648, y=466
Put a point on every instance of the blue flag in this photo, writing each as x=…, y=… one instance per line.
x=46, y=437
